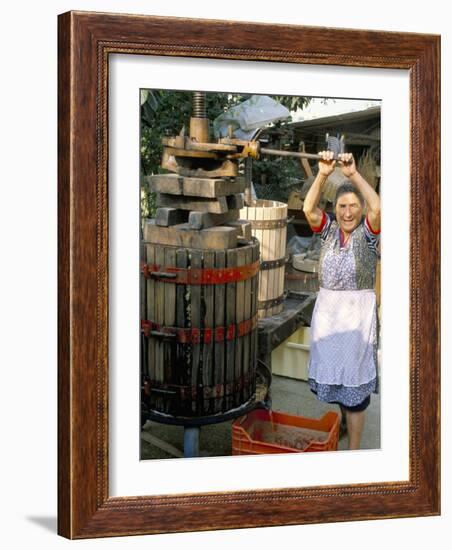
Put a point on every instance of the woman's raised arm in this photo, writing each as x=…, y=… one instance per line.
x=310, y=206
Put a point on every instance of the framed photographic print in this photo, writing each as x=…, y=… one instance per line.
x=191, y=384
x=110, y=66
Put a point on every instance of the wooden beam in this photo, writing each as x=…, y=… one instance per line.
x=170, y=216
x=213, y=187
x=200, y=204
x=243, y=227
x=202, y=220
x=175, y=184
x=235, y=201
x=216, y=238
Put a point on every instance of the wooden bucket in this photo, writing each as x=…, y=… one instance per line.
x=199, y=328
x=269, y=225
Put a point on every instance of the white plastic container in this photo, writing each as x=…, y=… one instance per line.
x=291, y=357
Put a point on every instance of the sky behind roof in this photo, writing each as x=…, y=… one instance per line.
x=318, y=108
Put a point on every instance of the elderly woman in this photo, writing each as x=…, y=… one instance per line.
x=343, y=358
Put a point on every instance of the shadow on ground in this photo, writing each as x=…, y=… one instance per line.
x=49, y=523
x=288, y=395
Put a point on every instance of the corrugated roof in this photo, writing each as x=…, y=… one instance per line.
x=355, y=116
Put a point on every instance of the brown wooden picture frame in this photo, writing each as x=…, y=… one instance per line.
x=85, y=42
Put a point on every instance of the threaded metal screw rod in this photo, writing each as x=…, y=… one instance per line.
x=199, y=104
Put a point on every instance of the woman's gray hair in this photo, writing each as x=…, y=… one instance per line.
x=348, y=187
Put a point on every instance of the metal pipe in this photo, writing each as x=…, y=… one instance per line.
x=295, y=154
x=191, y=441
x=333, y=144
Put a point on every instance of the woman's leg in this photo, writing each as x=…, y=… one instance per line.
x=343, y=424
x=355, y=424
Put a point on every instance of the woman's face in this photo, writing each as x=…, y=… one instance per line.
x=348, y=212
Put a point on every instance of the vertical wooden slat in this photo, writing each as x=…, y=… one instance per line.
x=143, y=315
x=231, y=261
x=219, y=347
x=279, y=250
x=169, y=346
x=284, y=246
x=258, y=234
x=239, y=317
x=208, y=322
x=254, y=308
x=280, y=213
x=276, y=255
x=159, y=296
x=270, y=215
x=247, y=337
x=150, y=314
x=183, y=351
x=263, y=291
x=195, y=313
x=274, y=214
x=378, y=283
x=283, y=236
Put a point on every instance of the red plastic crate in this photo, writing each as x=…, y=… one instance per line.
x=255, y=433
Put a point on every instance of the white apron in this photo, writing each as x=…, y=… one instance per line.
x=344, y=338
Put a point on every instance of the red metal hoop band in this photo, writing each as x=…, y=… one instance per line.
x=197, y=276
x=197, y=335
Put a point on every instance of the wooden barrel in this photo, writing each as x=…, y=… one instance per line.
x=269, y=225
x=300, y=281
x=199, y=328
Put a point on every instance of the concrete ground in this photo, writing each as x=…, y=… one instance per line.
x=288, y=395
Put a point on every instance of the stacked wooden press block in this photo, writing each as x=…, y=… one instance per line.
x=197, y=212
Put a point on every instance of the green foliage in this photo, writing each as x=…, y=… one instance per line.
x=148, y=202
x=275, y=177
x=163, y=113
x=166, y=112
x=292, y=102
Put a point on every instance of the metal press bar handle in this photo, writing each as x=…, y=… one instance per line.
x=295, y=154
x=333, y=144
